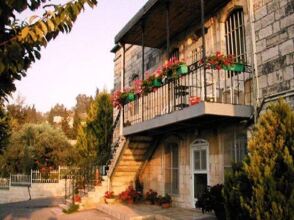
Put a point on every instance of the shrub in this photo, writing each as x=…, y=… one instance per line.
x=263, y=188
x=212, y=199
x=130, y=195
x=151, y=196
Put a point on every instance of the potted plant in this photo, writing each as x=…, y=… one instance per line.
x=212, y=199
x=151, y=196
x=218, y=61
x=194, y=100
x=119, y=98
x=109, y=197
x=77, y=197
x=130, y=195
x=165, y=201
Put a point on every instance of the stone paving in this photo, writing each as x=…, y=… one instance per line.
x=46, y=209
x=152, y=212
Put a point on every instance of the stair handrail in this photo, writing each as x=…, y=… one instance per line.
x=116, y=120
x=116, y=155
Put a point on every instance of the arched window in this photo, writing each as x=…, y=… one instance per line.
x=235, y=35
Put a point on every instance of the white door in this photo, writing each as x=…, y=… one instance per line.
x=199, y=166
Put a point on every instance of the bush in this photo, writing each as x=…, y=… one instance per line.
x=71, y=209
x=130, y=195
x=236, y=186
x=151, y=196
x=212, y=199
x=263, y=188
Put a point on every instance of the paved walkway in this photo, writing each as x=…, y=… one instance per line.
x=46, y=209
x=152, y=212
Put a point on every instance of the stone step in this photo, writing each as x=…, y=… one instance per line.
x=137, y=151
x=141, y=139
x=127, y=168
x=122, y=173
x=137, y=157
x=129, y=163
x=138, y=146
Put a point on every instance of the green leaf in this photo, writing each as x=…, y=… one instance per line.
x=24, y=33
x=50, y=25
x=43, y=27
x=33, y=36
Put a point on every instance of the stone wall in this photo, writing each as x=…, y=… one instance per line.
x=274, y=29
x=37, y=190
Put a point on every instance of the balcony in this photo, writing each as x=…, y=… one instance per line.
x=189, y=99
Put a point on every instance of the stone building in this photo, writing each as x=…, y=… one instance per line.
x=164, y=141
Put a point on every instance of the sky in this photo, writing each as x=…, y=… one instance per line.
x=78, y=62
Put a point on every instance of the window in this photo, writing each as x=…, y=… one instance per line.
x=171, y=168
x=235, y=35
x=235, y=147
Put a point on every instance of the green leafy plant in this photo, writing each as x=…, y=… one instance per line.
x=72, y=208
x=151, y=196
x=212, y=199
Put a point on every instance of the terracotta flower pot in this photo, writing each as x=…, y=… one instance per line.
x=109, y=200
x=165, y=205
x=77, y=198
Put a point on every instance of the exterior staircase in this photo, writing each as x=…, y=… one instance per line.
x=127, y=161
x=94, y=197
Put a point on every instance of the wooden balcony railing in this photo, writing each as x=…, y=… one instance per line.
x=222, y=86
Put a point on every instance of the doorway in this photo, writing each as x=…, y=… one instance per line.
x=199, y=166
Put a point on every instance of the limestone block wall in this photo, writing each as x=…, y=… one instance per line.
x=37, y=190
x=274, y=29
x=153, y=176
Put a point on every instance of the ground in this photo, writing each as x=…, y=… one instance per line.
x=45, y=209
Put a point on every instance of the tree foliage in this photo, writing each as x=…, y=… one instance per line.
x=36, y=146
x=268, y=172
x=21, y=41
x=81, y=108
x=95, y=137
x=5, y=129
x=60, y=117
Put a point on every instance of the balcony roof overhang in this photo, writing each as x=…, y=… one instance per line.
x=192, y=116
x=153, y=16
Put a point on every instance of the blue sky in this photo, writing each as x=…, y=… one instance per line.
x=78, y=62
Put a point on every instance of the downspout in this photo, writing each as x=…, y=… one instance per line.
x=168, y=45
x=203, y=48
x=143, y=65
x=254, y=61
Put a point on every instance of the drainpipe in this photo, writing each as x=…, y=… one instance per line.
x=203, y=48
x=143, y=65
x=122, y=85
x=167, y=46
x=254, y=60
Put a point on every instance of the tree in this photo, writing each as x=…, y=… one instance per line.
x=21, y=114
x=36, y=146
x=269, y=168
x=95, y=137
x=99, y=123
x=60, y=117
x=80, y=111
x=5, y=129
x=21, y=41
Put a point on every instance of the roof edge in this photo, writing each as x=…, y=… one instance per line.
x=135, y=19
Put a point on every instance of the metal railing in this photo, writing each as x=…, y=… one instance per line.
x=222, y=86
x=20, y=180
x=52, y=176
x=4, y=183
